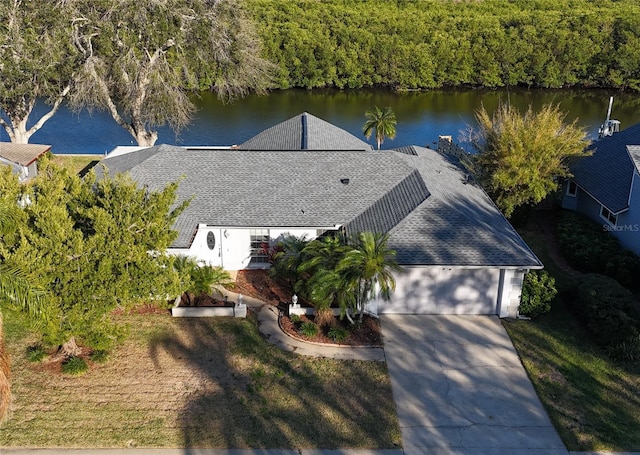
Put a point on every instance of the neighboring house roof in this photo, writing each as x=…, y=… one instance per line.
x=606, y=174
x=22, y=154
x=304, y=132
x=433, y=213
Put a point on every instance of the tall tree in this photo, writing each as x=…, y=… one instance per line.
x=521, y=156
x=382, y=122
x=95, y=245
x=145, y=56
x=37, y=61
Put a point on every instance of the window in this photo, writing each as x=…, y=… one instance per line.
x=259, y=246
x=572, y=188
x=608, y=216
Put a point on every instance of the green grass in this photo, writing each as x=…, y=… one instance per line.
x=76, y=162
x=198, y=383
x=593, y=401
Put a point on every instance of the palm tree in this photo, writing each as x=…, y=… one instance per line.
x=369, y=268
x=14, y=288
x=322, y=284
x=382, y=121
x=288, y=259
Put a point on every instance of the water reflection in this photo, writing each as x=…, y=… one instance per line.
x=422, y=116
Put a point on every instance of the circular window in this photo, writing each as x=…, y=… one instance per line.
x=211, y=240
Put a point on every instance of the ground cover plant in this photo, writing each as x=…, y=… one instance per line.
x=592, y=399
x=198, y=382
x=590, y=248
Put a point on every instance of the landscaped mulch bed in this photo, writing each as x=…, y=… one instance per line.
x=260, y=285
x=366, y=334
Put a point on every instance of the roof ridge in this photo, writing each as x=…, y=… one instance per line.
x=304, y=136
x=393, y=206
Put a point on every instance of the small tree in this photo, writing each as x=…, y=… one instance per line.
x=368, y=269
x=197, y=279
x=520, y=157
x=288, y=258
x=382, y=122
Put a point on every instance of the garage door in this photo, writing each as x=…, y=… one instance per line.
x=438, y=290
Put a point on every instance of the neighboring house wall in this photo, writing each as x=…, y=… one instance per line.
x=570, y=194
x=627, y=226
x=32, y=170
x=23, y=172
x=232, y=246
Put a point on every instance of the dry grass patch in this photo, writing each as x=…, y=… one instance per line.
x=200, y=383
x=76, y=163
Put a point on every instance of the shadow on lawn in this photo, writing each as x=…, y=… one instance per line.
x=592, y=400
x=252, y=395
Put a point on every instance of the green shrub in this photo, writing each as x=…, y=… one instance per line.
x=309, y=329
x=36, y=353
x=584, y=244
x=627, y=350
x=338, y=334
x=624, y=267
x=75, y=366
x=589, y=248
x=538, y=290
x=100, y=356
x=295, y=318
x=608, y=310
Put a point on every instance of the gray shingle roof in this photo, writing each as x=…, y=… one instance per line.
x=268, y=188
x=305, y=132
x=458, y=224
x=432, y=216
x=606, y=175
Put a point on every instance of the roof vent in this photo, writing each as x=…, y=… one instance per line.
x=344, y=181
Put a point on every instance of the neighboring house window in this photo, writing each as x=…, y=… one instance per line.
x=608, y=216
x=572, y=188
x=259, y=240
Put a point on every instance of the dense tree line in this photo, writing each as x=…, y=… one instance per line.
x=420, y=44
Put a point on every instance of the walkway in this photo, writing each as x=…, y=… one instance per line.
x=269, y=327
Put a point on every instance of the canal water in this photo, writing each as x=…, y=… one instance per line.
x=422, y=116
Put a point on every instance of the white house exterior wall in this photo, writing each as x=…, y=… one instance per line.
x=232, y=248
x=509, y=292
x=444, y=290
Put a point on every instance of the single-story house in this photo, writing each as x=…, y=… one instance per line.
x=606, y=186
x=306, y=176
x=22, y=158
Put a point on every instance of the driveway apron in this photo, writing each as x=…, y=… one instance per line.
x=460, y=388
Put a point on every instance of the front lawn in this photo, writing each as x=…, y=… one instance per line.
x=199, y=383
x=593, y=401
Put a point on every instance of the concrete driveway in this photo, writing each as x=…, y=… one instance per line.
x=460, y=388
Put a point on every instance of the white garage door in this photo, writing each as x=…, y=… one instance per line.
x=438, y=290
